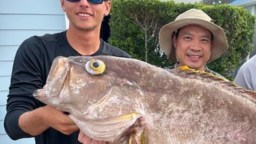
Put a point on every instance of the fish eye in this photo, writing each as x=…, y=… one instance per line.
x=95, y=67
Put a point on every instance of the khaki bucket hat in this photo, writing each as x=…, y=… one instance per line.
x=189, y=17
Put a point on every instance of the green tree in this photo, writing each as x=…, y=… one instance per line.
x=141, y=21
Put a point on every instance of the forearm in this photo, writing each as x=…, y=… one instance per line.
x=37, y=121
x=32, y=122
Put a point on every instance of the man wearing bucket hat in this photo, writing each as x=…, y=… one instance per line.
x=193, y=40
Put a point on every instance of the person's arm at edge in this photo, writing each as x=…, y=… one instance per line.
x=243, y=77
x=20, y=100
x=23, y=118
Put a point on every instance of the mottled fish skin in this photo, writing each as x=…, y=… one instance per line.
x=181, y=107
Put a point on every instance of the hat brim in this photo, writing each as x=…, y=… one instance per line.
x=166, y=32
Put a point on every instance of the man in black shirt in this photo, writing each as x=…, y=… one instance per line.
x=26, y=116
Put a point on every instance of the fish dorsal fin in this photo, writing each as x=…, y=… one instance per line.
x=186, y=72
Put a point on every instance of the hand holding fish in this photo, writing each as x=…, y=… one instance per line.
x=45, y=117
x=59, y=120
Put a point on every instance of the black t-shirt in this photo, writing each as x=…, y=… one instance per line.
x=31, y=66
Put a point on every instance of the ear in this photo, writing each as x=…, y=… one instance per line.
x=62, y=5
x=212, y=45
x=107, y=7
x=174, y=40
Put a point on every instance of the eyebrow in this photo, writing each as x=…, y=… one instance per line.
x=205, y=36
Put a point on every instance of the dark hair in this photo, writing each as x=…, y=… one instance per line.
x=176, y=33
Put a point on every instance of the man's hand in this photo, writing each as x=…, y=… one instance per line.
x=38, y=120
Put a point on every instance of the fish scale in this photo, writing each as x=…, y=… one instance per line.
x=182, y=106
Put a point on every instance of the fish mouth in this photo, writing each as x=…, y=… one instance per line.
x=40, y=95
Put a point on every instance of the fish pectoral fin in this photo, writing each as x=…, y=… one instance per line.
x=107, y=129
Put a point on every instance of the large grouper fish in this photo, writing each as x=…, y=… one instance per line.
x=122, y=100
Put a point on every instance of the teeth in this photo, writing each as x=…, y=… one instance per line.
x=83, y=14
x=194, y=56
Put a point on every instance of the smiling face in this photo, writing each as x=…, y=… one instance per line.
x=84, y=15
x=193, y=46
